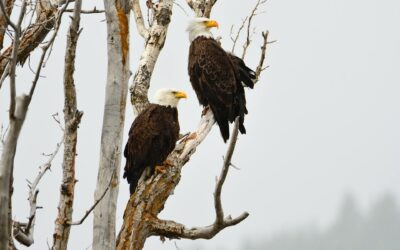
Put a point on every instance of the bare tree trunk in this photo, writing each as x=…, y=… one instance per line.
x=17, y=114
x=117, y=13
x=7, y=165
x=72, y=118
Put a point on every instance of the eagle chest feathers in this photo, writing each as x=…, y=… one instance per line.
x=152, y=138
x=210, y=64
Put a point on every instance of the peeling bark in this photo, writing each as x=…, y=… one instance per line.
x=153, y=45
x=72, y=118
x=31, y=37
x=113, y=126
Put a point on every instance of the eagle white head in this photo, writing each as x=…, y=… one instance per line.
x=168, y=97
x=200, y=26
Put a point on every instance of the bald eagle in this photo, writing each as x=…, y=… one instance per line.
x=217, y=76
x=152, y=136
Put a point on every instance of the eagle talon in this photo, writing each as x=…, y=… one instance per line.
x=168, y=163
x=160, y=169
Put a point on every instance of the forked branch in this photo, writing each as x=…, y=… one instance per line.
x=23, y=232
x=171, y=229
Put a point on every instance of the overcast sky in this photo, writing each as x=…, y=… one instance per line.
x=323, y=120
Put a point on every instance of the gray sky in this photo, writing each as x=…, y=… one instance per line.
x=323, y=120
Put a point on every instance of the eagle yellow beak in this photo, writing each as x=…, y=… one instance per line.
x=211, y=24
x=180, y=94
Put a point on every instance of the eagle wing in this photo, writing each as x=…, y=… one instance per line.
x=214, y=81
x=152, y=137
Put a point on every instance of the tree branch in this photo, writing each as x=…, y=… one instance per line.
x=137, y=11
x=23, y=233
x=72, y=118
x=3, y=22
x=260, y=67
x=234, y=40
x=32, y=36
x=93, y=11
x=227, y=162
x=171, y=229
x=248, y=35
x=7, y=167
x=97, y=201
x=154, y=44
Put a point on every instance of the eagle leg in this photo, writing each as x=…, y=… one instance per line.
x=205, y=110
x=168, y=163
x=163, y=168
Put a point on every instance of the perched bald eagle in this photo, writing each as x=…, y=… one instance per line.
x=217, y=76
x=152, y=136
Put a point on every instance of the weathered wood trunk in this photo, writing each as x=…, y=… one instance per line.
x=72, y=118
x=117, y=16
x=6, y=168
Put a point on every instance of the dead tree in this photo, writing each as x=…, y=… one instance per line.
x=117, y=13
x=72, y=118
x=141, y=213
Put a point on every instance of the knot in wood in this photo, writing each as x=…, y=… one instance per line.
x=163, y=16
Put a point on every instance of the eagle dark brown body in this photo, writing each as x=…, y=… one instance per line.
x=152, y=138
x=217, y=78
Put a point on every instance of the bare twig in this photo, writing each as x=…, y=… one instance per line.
x=248, y=34
x=13, y=64
x=3, y=133
x=260, y=68
x=235, y=39
x=46, y=48
x=4, y=75
x=181, y=8
x=97, y=201
x=93, y=11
